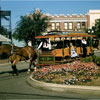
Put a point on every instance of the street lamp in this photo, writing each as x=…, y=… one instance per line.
x=90, y=31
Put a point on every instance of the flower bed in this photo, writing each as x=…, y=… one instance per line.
x=76, y=72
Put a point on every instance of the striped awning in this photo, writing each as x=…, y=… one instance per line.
x=4, y=39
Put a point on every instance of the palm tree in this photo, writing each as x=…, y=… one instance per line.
x=23, y=29
x=30, y=26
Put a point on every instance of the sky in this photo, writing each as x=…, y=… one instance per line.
x=22, y=7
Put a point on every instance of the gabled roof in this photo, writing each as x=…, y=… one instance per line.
x=4, y=39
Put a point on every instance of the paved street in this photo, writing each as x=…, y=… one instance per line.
x=16, y=87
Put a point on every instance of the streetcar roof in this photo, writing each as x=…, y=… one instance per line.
x=68, y=35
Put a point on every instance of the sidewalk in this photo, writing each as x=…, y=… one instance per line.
x=96, y=50
x=3, y=61
x=88, y=90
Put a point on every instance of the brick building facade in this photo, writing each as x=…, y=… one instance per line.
x=73, y=23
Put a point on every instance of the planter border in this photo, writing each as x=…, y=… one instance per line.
x=77, y=89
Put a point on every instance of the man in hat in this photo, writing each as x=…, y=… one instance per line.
x=84, y=44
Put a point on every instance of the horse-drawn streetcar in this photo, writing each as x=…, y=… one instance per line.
x=52, y=49
x=59, y=47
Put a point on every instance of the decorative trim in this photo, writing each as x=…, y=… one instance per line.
x=69, y=20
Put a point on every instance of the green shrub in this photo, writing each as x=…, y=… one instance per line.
x=87, y=59
x=96, y=59
x=93, y=58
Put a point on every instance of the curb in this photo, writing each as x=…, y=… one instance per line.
x=8, y=63
x=96, y=50
x=88, y=90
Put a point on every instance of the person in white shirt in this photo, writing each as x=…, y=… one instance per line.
x=84, y=41
x=45, y=45
x=84, y=44
x=29, y=43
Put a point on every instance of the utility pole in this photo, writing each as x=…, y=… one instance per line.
x=0, y=16
x=7, y=16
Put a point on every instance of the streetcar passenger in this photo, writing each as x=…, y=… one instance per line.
x=45, y=45
x=84, y=44
x=73, y=51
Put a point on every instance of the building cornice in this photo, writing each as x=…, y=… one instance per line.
x=69, y=20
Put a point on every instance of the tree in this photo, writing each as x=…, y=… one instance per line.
x=96, y=28
x=3, y=31
x=23, y=30
x=30, y=26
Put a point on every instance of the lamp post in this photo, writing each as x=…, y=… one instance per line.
x=90, y=31
x=0, y=16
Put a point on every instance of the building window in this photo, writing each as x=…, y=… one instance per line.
x=66, y=26
x=53, y=26
x=83, y=24
x=78, y=25
x=58, y=26
x=70, y=25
